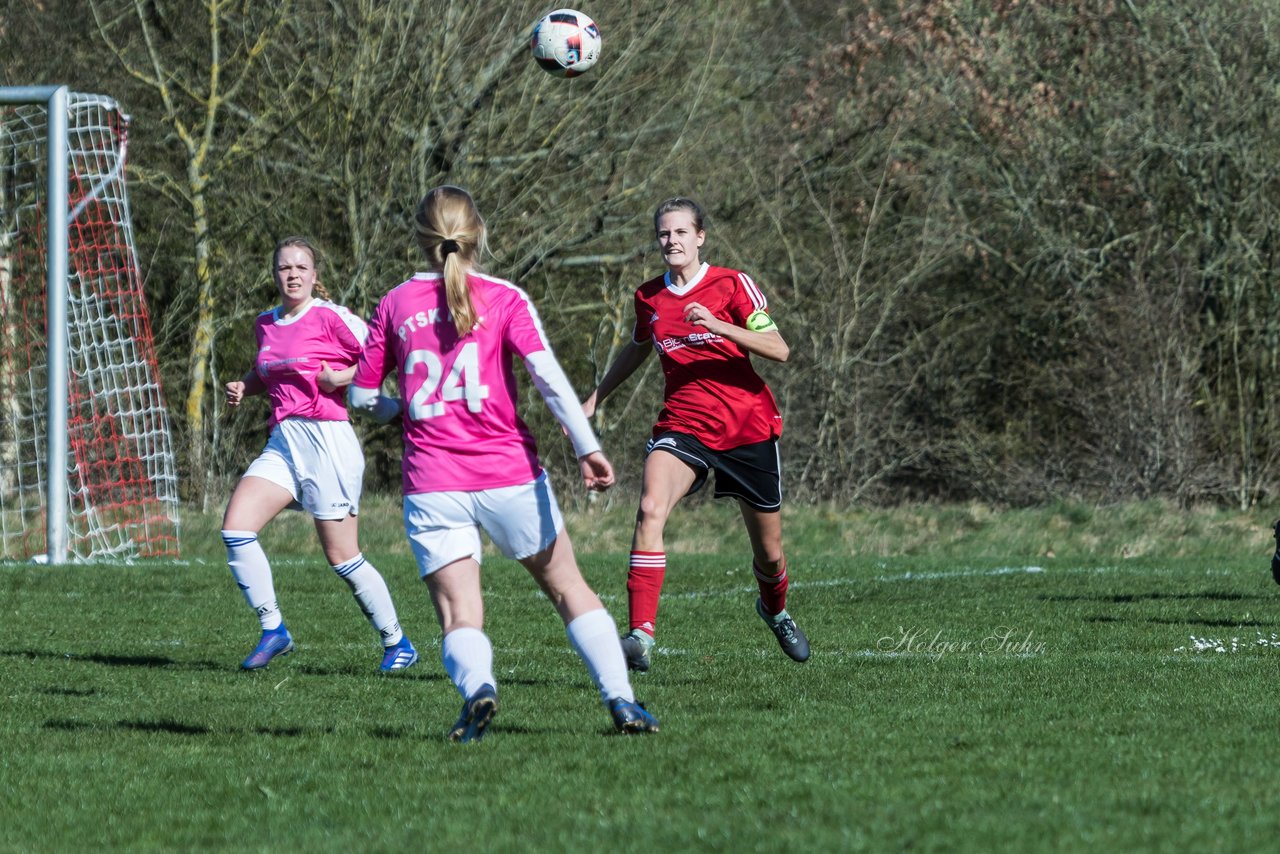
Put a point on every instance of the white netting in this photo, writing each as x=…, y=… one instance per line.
x=122, y=485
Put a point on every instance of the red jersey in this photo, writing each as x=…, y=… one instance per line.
x=712, y=391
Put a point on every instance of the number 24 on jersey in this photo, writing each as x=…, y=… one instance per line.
x=461, y=383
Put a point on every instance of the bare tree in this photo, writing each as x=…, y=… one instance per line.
x=202, y=69
x=1022, y=250
x=566, y=171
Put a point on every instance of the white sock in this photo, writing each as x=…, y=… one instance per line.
x=594, y=637
x=468, y=659
x=370, y=590
x=252, y=573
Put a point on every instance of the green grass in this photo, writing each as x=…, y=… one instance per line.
x=1107, y=718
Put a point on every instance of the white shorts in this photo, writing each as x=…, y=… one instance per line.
x=444, y=527
x=319, y=462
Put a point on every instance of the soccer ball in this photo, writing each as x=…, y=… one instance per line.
x=565, y=43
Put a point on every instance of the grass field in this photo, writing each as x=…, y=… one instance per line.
x=1064, y=679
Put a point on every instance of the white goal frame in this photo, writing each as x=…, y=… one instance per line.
x=123, y=453
x=55, y=100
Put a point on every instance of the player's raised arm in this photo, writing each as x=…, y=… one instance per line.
x=628, y=360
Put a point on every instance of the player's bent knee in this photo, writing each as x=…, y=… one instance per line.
x=652, y=513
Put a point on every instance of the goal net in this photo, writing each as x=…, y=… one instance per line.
x=113, y=452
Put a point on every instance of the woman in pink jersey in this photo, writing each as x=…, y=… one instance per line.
x=451, y=336
x=307, y=349
x=718, y=415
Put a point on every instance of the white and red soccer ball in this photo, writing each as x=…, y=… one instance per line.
x=565, y=43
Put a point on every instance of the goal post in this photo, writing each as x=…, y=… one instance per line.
x=87, y=469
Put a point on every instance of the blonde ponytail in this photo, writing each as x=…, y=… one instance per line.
x=452, y=236
x=458, y=293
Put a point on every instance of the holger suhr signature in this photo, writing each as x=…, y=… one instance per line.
x=1001, y=641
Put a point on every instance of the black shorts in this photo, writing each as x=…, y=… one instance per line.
x=752, y=473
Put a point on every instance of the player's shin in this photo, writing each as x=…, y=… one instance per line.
x=644, y=586
x=252, y=572
x=370, y=591
x=594, y=636
x=773, y=588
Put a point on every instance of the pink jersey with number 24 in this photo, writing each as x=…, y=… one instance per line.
x=461, y=430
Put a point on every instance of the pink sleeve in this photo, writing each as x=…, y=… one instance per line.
x=523, y=329
x=350, y=344
x=373, y=367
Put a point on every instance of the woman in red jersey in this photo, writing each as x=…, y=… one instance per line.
x=718, y=415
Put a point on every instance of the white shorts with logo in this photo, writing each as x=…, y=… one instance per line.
x=444, y=527
x=319, y=462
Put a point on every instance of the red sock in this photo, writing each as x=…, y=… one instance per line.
x=773, y=588
x=644, y=584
